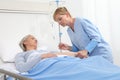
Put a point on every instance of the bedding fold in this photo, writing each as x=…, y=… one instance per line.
x=71, y=68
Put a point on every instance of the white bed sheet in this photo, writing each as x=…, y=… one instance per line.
x=9, y=67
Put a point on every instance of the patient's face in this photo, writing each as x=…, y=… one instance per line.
x=31, y=41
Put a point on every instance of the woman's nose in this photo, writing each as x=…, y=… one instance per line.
x=60, y=22
x=36, y=41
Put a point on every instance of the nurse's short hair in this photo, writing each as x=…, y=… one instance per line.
x=61, y=11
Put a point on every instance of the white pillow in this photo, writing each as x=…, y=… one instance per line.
x=9, y=67
x=8, y=51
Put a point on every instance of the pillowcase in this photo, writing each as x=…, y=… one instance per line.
x=8, y=51
x=9, y=67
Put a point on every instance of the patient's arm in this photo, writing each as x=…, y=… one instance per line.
x=50, y=55
x=73, y=54
x=47, y=55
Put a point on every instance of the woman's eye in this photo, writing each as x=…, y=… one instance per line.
x=60, y=19
x=32, y=38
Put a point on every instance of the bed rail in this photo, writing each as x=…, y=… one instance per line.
x=16, y=76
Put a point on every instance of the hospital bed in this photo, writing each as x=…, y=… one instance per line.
x=65, y=68
x=7, y=65
x=8, y=70
x=5, y=74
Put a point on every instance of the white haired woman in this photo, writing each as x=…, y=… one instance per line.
x=30, y=56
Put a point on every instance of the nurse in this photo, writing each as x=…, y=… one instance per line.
x=85, y=36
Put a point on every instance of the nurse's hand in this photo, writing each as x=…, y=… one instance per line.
x=48, y=55
x=82, y=54
x=63, y=46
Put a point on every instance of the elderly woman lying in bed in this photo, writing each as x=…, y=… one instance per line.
x=31, y=56
x=43, y=65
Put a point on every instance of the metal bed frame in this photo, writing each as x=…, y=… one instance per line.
x=15, y=76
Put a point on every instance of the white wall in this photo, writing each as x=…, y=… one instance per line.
x=15, y=26
x=114, y=11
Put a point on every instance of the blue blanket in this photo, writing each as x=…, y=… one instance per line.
x=70, y=68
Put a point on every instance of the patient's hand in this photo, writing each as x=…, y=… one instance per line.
x=82, y=54
x=48, y=55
